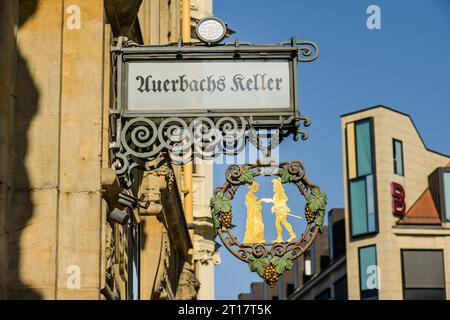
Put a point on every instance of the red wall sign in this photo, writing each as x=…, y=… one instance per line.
x=398, y=200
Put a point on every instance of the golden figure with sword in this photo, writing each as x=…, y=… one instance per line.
x=281, y=211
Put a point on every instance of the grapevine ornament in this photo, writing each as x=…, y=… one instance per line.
x=269, y=259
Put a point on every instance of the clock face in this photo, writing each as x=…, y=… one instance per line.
x=211, y=30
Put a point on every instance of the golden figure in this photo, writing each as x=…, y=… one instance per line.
x=254, y=231
x=281, y=211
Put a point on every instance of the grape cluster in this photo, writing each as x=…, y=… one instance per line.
x=310, y=216
x=225, y=219
x=271, y=275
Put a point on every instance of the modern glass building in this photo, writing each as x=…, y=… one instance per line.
x=396, y=200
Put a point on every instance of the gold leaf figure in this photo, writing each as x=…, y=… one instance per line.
x=281, y=211
x=254, y=230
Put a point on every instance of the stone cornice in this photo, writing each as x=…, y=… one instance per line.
x=122, y=16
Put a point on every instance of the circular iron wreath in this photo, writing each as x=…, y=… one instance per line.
x=270, y=259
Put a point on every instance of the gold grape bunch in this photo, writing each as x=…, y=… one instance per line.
x=225, y=219
x=271, y=275
x=310, y=216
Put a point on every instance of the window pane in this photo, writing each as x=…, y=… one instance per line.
x=370, y=203
x=290, y=289
x=369, y=295
x=307, y=267
x=358, y=206
x=424, y=294
x=338, y=238
x=364, y=147
x=447, y=194
x=368, y=271
x=340, y=289
x=423, y=269
x=330, y=234
x=133, y=266
x=324, y=295
x=398, y=157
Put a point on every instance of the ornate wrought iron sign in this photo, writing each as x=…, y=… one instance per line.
x=201, y=99
x=204, y=101
x=207, y=86
x=269, y=259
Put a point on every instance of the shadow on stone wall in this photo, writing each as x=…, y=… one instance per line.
x=20, y=209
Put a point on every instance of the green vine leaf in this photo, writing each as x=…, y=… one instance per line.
x=317, y=200
x=285, y=175
x=282, y=263
x=258, y=264
x=320, y=218
x=248, y=176
x=216, y=221
x=220, y=203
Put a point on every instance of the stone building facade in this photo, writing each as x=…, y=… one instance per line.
x=398, y=235
x=68, y=229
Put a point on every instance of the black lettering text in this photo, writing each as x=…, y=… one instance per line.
x=141, y=86
x=221, y=83
x=184, y=84
x=174, y=85
x=202, y=85
x=237, y=82
x=193, y=85
x=249, y=84
x=165, y=85
x=278, y=83
x=211, y=84
x=270, y=84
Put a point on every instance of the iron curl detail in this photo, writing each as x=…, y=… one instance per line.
x=142, y=139
x=308, y=51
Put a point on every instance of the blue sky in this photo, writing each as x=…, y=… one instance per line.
x=404, y=65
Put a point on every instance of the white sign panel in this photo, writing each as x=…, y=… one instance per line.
x=209, y=85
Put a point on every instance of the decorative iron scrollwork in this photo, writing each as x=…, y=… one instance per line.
x=308, y=50
x=142, y=139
